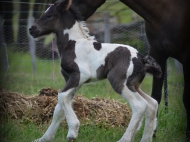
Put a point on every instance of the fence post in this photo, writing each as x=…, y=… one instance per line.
x=106, y=28
x=4, y=58
x=166, y=88
x=32, y=45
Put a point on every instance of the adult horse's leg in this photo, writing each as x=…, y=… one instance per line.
x=186, y=94
x=158, y=82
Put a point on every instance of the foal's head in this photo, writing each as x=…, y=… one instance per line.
x=58, y=16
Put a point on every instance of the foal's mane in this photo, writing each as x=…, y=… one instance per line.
x=82, y=24
x=85, y=30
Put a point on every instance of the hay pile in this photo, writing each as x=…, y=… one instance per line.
x=39, y=109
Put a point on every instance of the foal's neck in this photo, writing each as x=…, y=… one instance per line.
x=78, y=31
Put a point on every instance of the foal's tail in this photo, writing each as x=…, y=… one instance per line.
x=152, y=67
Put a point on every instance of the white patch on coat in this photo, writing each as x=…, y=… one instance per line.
x=130, y=69
x=89, y=59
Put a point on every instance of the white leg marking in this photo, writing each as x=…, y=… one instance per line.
x=138, y=105
x=151, y=119
x=64, y=106
x=140, y=124
x=58, y=116
x=65, y=98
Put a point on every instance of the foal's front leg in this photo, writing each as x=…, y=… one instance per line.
x=64, y=109
x=58, y=116
x=64, y=106
x=65, y=99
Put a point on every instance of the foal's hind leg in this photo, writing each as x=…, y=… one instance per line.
x=138, y=105
x=151, y=119
x=136, y=101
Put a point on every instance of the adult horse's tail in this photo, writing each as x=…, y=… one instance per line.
x=152, y=67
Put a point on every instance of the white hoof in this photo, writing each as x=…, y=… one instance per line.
x=72, y=136
x=41, y=140
x=38, y=140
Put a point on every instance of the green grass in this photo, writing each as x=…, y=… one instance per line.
x=171, y=125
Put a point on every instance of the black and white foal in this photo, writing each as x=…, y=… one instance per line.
x=84, y=60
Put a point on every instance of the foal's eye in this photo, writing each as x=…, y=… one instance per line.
x=48, y=16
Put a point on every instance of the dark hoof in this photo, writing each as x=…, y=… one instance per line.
x=154, y=134
x=71, y=139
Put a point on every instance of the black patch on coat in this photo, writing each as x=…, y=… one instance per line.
x=65, y=75
x=69, y=68
x=138, y=73
x=97, y=45
x=115, y=68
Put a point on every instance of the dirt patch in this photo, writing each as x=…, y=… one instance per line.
x=39, y=108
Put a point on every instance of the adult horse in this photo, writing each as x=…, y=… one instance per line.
x=167, y=25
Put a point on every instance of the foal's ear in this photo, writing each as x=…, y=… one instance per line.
x=63, y=5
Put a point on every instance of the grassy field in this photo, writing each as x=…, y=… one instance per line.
x=171, y=125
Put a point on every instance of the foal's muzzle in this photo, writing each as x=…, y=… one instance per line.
x=34, y=31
